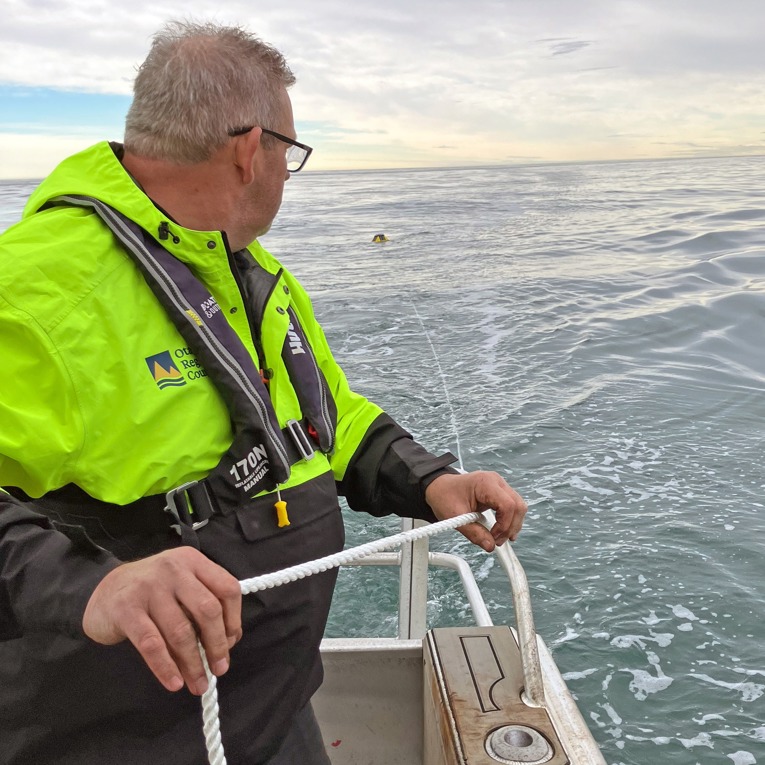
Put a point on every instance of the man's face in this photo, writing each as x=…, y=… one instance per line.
x=272, y=165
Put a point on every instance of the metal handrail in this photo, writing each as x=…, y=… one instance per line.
x=442, y=560
x=533, y=694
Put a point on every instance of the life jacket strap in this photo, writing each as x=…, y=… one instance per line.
x=192, y=504
x=299, y=437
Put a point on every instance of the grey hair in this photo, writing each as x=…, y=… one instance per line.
x=198, y=82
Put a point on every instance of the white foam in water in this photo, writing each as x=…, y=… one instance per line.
x=749, y=691
x=579, y=483
x=705, y=718
x=611, y=712
x=658, y=740
x=570, y=635
x=703, y=739
x=579, y=675
x=681, y=612
x=625, y=641
x=662, y=639
x=742, y=758
x=748, y=672
x=644, y=683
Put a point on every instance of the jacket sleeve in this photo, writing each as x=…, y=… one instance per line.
x=42, y=429
x=389, y=473
x=46, y=578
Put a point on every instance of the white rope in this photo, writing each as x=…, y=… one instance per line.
x=210, y=708
x=211, y=716
x=343, y=558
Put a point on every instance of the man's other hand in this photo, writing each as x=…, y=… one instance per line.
x=161, y=605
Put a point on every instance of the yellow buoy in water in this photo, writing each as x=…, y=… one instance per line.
x=380, y=238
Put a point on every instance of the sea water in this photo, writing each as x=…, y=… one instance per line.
x=593, y=333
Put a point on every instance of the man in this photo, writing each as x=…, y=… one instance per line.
x=157, y=357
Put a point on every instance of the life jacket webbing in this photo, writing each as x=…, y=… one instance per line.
x=316, y=401
x=258, y=458
x=314, y=396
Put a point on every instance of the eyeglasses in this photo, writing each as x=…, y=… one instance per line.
x=297, y=154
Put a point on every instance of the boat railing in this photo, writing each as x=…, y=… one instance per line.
x=543, y=684
x=415, y=558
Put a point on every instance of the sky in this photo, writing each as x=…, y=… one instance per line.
x=416, y=83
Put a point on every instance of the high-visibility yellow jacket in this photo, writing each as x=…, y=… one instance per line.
x=82, y=335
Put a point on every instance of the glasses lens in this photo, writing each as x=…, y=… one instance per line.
x=295, y=158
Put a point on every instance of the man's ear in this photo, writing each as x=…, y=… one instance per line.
x=246, y=149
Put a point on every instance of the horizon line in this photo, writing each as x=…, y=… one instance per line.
x=485, y=166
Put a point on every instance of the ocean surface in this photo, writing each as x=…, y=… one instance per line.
x=594, y=333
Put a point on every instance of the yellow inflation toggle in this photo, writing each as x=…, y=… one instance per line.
x=282, y=519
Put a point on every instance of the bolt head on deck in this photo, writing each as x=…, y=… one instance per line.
x=518, y=745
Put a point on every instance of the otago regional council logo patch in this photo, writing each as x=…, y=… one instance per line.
x=164, y=371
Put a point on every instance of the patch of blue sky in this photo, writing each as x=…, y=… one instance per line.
x=47, y=111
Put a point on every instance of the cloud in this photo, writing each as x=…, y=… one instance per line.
x=396, y=83
x=564, y=47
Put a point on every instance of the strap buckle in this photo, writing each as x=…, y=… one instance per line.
x=187, y=511
x=300, y=439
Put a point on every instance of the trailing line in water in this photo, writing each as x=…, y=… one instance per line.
x=452, y=414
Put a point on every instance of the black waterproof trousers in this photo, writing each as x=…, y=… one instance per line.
x=69, y=701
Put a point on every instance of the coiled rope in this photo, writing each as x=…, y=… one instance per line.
x=210, y=708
